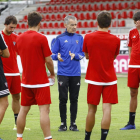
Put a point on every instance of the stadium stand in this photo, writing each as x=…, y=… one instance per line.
x=85, y=11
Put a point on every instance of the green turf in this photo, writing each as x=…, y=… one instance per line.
x=120, y=114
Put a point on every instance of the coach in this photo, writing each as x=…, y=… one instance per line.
x=67, y=49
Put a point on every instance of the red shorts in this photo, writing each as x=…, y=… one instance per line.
x=14, y=84
x=109, y=94
x=133, y=77
x=33, y=96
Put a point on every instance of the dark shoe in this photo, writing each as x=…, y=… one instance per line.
x=73, y=127
x=128, y=127
x=62, y=128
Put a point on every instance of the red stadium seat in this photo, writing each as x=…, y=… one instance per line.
x=74, y=1
x=85, y=24
x=113, y=15
x=39, y=9
x=63, y=2
x=130, y=14
x=83, y=7
x=48, y=33
x=61, y=9
x=119, y=6
x=25, y=18
x=83, y=32
x=23, y=26
x=59, y=32
x=42, y=32
x=115, y=24
x=124, y=14
x=57, y=2
x=58, y=17
x=61, y=25
x=89, y=7
x=43, y=18
x=53, y=18
x=66, y=8
x=56, y=25
x=125, y=5
x=132, y=5
x=138, y=5
x=91, y=24
x=101, y=7
x=50, y=25
x=72, y=8
x=19, y=33
x=122, y=23
x=41, y=26
x=50, y=10
x=113, y=6
x=107, y=7
x=86, y=1
x=44, y=26
x=47, y=18
x=18, y=26
x=55, y=9
x=79, y=25
x=81, y=16
x=53, y=33
x=87, y=16
x=118, y=15
x=44, y=10
x=95, y=7
x=77, y=32
x=76, y=15
x=68, y=1
x=93, y=16
x=78, y=8
x=89, y=31
x=63, y=16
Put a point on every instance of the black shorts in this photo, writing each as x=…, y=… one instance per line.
x=4, y=91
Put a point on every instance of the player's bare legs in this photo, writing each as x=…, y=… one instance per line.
x=90, y=120
x=15, y=103
x=133, y=100
x=44, y=119
x=3, y=106
x=21, y=120
x=106, y=120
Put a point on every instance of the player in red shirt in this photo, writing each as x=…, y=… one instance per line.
x=10, y=66
x=134, y=70
x=101, y=48
x=34, y=51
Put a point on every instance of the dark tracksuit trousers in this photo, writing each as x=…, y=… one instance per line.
x=71, y=84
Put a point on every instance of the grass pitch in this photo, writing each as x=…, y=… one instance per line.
x=120, y=115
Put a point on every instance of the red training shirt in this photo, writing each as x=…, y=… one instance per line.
x=33, y=48
x=10, y=64
x=133, y=41
x=101, y=47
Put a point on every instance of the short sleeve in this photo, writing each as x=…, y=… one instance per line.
x=129, y=41
x=45, y=46
x=3, y=45
x=85, y=46
x=118, y=47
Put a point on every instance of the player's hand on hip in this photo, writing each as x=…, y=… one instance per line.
x=59, y=57
x=72, y=55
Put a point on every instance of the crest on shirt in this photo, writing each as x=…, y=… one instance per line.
x=77, y=41
x=14, y=43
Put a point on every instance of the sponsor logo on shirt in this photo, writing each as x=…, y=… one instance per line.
x=134, y=36
x=14, y=43
x=77, y=41
x=66, y=41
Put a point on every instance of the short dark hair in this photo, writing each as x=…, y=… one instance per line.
x=136, y=16
x=34, y=18
x=10, y=19
x=104, y=19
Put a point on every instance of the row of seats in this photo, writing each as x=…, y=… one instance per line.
x=89, y=7
x=83, y=16
x=85, y=24
x=57, y=2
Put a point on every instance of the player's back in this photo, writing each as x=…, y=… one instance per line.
x=102, y=48
x=30, y=47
